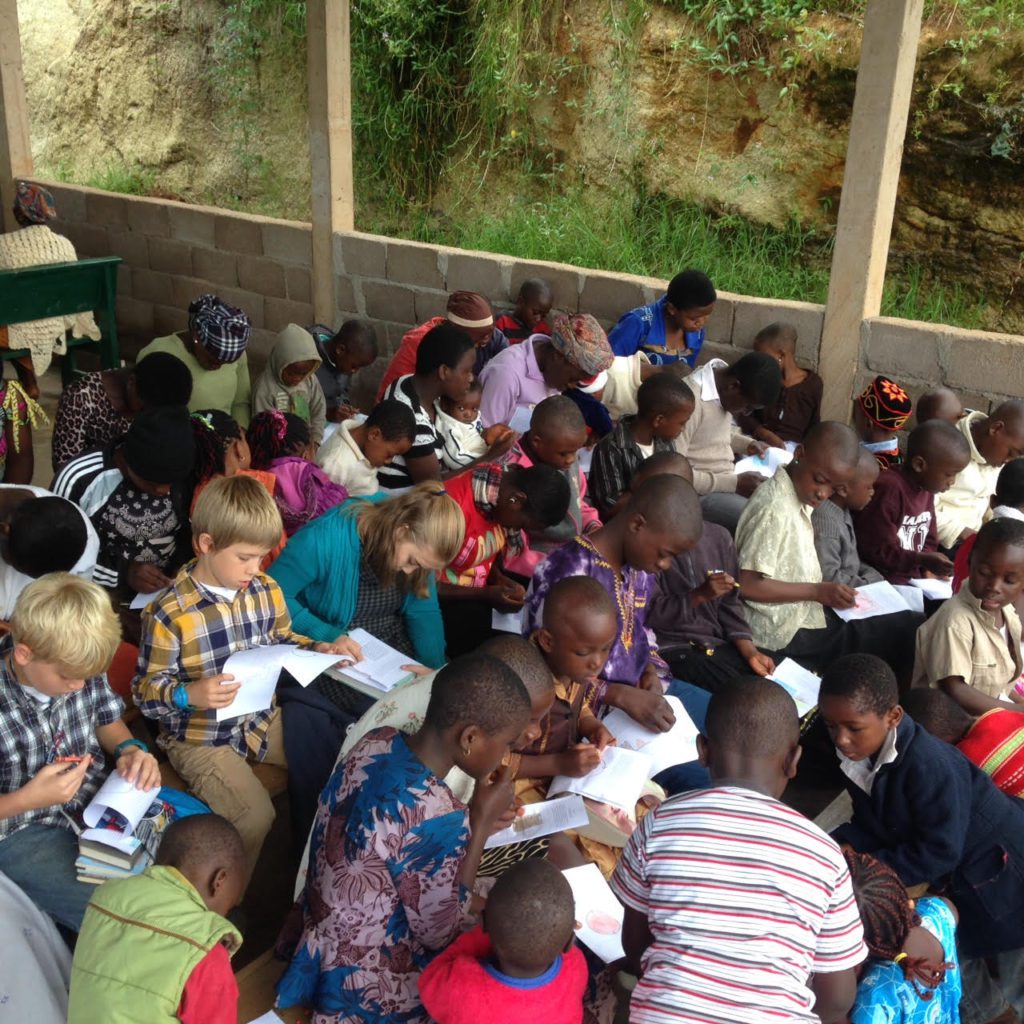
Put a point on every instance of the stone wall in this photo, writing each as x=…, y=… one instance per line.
x=173, y=252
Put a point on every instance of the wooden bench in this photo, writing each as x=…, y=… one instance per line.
x=62, y=289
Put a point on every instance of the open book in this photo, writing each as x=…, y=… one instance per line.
x=381, y=667
x=618, y=780
x=665, y=749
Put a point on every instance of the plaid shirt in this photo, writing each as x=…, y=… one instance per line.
x=616, y=458
x=33, y=733
x=189, y=633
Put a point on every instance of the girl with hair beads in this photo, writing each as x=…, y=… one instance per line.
x=280, y=443
x=912, y=975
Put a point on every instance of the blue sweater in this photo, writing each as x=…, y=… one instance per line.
x=933, y=816
x=319, y=574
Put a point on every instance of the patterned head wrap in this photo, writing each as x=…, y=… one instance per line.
x=221, y=329
x=469, y=309
x=33, y=203
x=886, y=404
x=581, y=339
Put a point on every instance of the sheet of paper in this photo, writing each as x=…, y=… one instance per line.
x=508, y=622
x=799, y=683
x=267, y=1018
x=584, y=457
x=257, y=669
x=913, y=597
x=598, y=913
x=665, y=749
x=519, y=421
x=119, y=795
x=381, y=666
x=879, y=598
x=618, y=780
x=767, y=464
x=139, y=601
x=126, y=844
x=305, y=665
x=938, y=590
x=543, y=819
x=330, y=429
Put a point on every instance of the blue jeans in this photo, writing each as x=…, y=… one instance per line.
x=40, y=860
x=681, y=777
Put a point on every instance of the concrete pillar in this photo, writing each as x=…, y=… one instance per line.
x=330, y=141
x=15, y=145
x=881, y=105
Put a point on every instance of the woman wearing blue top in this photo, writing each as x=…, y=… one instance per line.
x=671, y=328
x=370, y=564
x=912, y=975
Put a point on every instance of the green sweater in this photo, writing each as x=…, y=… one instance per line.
x=141, y=939
x=226, y=388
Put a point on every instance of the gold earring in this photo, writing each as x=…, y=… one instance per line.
x=465, y=751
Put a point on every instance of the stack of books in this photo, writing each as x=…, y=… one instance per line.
x=105, y=852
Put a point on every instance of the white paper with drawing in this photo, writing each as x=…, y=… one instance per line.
x=542, y=819
x=801, y=685
x=618, y=780
x=381, y=666
x=119, y=795
x=766, y=465
x=880, y=598
x=598, y=913
x=665, y=749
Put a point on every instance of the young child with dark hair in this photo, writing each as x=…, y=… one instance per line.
x=970, y=648
x=521, y=963
x=464, y=441
x=394, y=854
x=162, y=939
x=134, y=494
x=911, y=975
x=39, y=534
x=798, y=407
x=352, y=455
x=661, y=520
x=499, y=504
x=939, y=404
x=931, y=815
x=994, y=741
x=664, y=407
x=880, y=412
x=533, y=304
x=739, y=909
x=834, y=536
x=711, y=440
x=896, y=531
x=671, y=328
x=280, y=444
x=1007, y=503
x=351, y=348
x=289, y=382
x=788, y=604
x=219, y=604
x=556, y=434
x=994, y=440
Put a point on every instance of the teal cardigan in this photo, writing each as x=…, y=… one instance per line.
x=319, y=574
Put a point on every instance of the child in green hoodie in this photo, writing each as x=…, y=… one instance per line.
x=289, y=382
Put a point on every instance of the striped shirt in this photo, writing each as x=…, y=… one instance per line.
x=188, y=633
x=745, y=899
x=426, y=441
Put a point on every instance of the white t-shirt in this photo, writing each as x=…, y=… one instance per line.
x=646, y=450
x=344, y=462
x=745, y=899
x=12, y=582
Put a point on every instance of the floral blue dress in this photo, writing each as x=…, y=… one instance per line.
x=382, y=893
x=884, y=996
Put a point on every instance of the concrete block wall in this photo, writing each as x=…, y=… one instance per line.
x=174, y=252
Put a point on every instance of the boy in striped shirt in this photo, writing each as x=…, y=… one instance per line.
x=739, y=909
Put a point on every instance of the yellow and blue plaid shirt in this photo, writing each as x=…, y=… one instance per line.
x=188, y=633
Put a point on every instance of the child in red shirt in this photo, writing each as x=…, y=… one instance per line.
x=533, y=304
x=521, y=964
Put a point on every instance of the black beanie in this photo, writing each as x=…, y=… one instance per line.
x=159, y=447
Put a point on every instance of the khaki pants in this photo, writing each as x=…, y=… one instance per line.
x=225, y=781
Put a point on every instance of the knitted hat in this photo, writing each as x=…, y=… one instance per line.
x=221, y=329
x=885, y=404
x=469, y=309
x=159, y=446
x=581, y=339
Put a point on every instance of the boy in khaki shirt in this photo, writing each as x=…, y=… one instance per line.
x=970, y=648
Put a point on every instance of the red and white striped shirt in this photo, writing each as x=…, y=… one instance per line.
x=745, y=899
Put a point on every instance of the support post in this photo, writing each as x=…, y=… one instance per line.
x=330, y=141
x=881, y=106
x=15, y=145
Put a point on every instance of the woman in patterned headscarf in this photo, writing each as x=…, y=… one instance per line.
x=31, y=245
